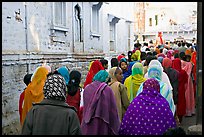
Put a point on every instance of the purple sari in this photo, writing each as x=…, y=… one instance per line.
x=100, y=115
x=149, y=113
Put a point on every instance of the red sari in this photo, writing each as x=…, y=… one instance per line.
x=183, y=79
x=74, y=101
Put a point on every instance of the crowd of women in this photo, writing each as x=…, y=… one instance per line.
x=146, y=92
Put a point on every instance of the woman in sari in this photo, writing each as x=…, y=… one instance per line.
x=190, y=99
x=73, y=96
x=155, y=71
x=182, y=78
x=34, y=91
x=134, y=81
x=173, y=75
x=100, y=115
x=120, y=91
x=149, y=113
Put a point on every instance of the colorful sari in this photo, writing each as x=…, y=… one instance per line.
x=149, y=113
x=190, y=99
x=120, y=93
x=100, y=115
x=34, y=91
x=155, y=71
x=183, y=77
x=134, y=81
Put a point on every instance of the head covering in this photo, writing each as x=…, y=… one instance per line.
x=95, y=67
x=188, y=52
x=169, y=54
x=160, y=59
x=34, y=91
x=101, y=76
x=161, y=55
x=164, y=51
x=167, y=63
x=136, y=56
x=75, y=79
x=151, y=83
x=155, y=71
x=65, y=73
x=155, y=62
x=134, y=81
x=176, y=64
x=55, y=87
x=137, y=68
x=27, y=79
x=119, y=57
x=112, y=73
x=123, y=60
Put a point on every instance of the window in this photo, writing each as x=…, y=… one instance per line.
x=150, y=21
x=60, y=14
x=112, y=37
x=156, y=20
x=95, y=17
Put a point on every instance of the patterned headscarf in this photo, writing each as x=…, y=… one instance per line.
x=65, y=73
x=55, y=87
x=151, y=84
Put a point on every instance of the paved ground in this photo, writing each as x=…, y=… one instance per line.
x=187, y=122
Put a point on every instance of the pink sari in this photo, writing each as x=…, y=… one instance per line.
x=190, y=99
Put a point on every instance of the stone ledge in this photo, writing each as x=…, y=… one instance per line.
x=195, y=130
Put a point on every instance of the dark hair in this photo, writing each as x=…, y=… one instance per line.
x=73, y=85
x=143, y=55
x=188, y=57
x=179, y=44
x=129, y=56
x=149, y=54
x=148, y=59
x=182, y=56
x=27, y=79
x=114, y=62
x=104, y=62
x=154, y=53
x=176, y=55
x=175, y=131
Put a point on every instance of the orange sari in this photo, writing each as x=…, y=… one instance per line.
x=34, y=91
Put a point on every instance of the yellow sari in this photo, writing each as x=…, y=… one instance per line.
x=134, y=81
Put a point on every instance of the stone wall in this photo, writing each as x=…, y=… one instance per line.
x=15, y=66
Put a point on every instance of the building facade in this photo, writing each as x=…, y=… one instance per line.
x=59, y=33
x=173, y=19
